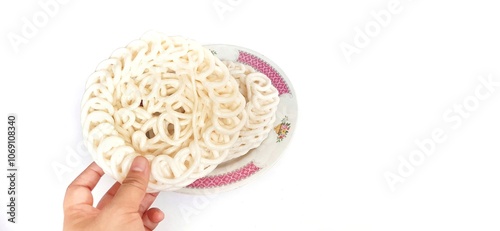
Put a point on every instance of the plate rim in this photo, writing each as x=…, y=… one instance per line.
x=261, y=170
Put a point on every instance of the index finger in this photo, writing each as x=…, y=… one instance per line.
x=80, y=190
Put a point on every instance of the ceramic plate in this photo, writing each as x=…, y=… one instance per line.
x=238, y=172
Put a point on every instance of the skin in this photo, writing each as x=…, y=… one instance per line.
x=124, y=207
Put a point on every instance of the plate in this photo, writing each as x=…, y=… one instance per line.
x=240, y=171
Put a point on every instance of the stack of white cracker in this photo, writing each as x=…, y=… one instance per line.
x=172, y=101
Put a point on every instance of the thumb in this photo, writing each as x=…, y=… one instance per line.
x=133, y=189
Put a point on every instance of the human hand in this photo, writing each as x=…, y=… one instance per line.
x=124, y=207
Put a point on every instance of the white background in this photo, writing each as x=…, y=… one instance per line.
x=355, y=119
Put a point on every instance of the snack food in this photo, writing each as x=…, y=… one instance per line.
x=173, y=102
x=261, y=104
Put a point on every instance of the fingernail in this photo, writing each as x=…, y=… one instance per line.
x=139, y=164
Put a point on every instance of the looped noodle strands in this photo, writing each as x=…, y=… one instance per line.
x=170, y=100
x=261, y=104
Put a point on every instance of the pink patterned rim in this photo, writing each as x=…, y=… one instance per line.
x=225, y=179
x=264, y=67
x=248, y=170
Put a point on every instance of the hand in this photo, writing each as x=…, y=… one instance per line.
x=124, y=207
